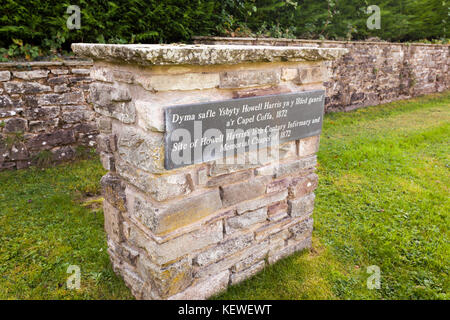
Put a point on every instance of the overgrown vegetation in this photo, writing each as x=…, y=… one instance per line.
x=34, y=28
x=383, y=200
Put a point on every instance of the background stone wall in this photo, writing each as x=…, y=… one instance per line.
x=44, y=112
x=371, y=73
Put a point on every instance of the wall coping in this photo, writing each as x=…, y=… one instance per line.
x=27, y=64
x=201, y=54
x=205, y=39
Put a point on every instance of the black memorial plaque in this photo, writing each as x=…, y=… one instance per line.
x=208, y=131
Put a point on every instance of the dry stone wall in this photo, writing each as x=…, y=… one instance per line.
x=371, y=73
x=44, y=112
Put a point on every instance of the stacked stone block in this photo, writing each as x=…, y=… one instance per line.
x=44, y=111
x=190, y=232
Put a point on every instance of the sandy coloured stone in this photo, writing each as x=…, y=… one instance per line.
x=238, y=192
x=31, y=75
x=226, y=248
x=245, y=220
x=247, y=273
x=248, y=78
x=308, y=146
x=302, y=229
x=26, y=87
x=261, y=202
x=5, y=75
x=168, y=280
x=113, y=102
x=303, y=185
x=113, y=221
x=204, y=288
x=174, y=249
x=173, y=54
x=162, y=218
x=301, y=207
x=144, y=150
x=292, y=247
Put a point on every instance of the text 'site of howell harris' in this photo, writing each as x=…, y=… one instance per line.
x=203, y=132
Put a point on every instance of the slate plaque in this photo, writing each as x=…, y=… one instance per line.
x=208, y=131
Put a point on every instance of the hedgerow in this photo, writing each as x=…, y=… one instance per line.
x=34, y=28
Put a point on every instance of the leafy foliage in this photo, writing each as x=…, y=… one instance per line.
x=40, y=25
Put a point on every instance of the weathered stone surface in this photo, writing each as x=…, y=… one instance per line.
x=106, y=143
x=229, y=178
x=274, y=227
x=249, y=78
x=238, y=192
x=31, y=75
x=15, y=125
x=260, y=202
x=308, y=74
x=303, y=185
x=257, y=253
x=143, y=150
x=168, y=280
x=5, y=75
x=18, y=152
x=45, y=141
x=289, y=249
x=302, y=230
x=245, y=220
x=104, y=124
x=308, y=146
x=26, y=87
x=166, y=217
x=223, y=249
x=113, y=102
x=113, y=190
x=59, y=71
x=81, y=71
x=160, y=54
x=160, y=187
x=150, y=116
x=287, y=168
x=277, y=208
x=113, y=221
x=301, y=207
x=108, y=161
x=188, y=81
x=64, y=98
x=77, y=114
x=178, y=247
x=61, y=88
x=204, y=288
x=278, y=185
x=64, y=153
x=42, y=113
x=247, y=273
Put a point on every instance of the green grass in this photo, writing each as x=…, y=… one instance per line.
x=382, y=200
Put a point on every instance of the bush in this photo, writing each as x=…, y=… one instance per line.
x=32, y=28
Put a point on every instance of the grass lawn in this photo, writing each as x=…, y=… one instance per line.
x=383, y=200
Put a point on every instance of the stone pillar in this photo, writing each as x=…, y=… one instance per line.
x=189, y=232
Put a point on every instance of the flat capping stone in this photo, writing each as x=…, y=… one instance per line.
x=288, y=41
x=30, y=64
x=201, y=54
